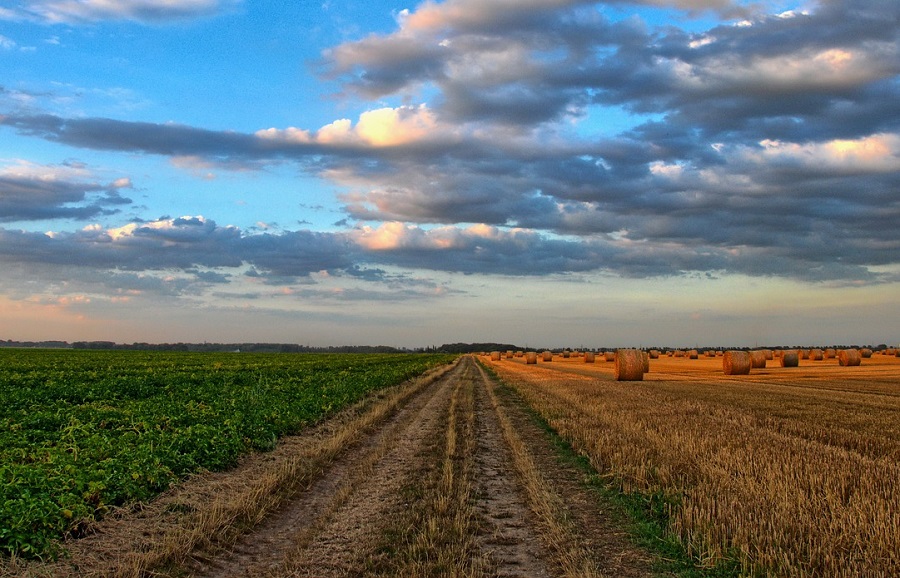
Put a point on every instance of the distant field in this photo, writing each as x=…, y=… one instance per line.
x=81, y=431
x=788, y=471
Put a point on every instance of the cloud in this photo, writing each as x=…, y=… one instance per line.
x=31, y=192
x=83, y=11
x=768, y=148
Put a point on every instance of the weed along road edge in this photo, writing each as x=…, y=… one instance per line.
x=443, y=475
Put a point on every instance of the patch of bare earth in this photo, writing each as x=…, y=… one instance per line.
x=444, y=476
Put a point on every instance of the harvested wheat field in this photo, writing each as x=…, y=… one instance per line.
x=792, y=471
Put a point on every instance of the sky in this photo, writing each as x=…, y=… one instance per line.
x=381, y=172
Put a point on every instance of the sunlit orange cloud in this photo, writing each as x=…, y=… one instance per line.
x=381, y=127
x=395, y=235
x=880, y=152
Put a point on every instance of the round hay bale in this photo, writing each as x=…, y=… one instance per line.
x=830, y=353
x=588, y=357
x=495, y=356
x=609, y=356
x=629, y=365
x=654, y=354
x=802, y=353
x=849, y=357
x=520, y=353
x=779, y=353
x=531, y=358
x=646, y=358
x=757, y=359
x=566, y=355
x=693, y=354
x=769, y=355
x=547, y=356
x=509, y=355
x=709, y=353
x=865, y=353
x=736, y=363
x=679, y=353
x=790, y=358
x=816, y=354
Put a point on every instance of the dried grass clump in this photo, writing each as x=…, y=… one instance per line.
x=629, y=365
x=849, y=357
x=547, y=356
x=816, y=354
x=736, y=363
x=495, y=356
x=531, y=358
x=588, y=357
x=790, y=358
x=758, y=359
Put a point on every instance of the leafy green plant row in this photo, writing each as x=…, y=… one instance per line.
x=81, y=431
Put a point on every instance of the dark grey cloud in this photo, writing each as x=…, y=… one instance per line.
x=29, y=197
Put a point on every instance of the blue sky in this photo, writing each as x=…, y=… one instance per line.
x=546, y=172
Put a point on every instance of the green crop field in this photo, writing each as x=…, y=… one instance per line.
x=81, y=431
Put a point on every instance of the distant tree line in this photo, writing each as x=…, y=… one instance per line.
x=295, y=348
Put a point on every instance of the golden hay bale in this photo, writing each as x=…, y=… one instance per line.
x=790, y=358
x=736, y=363
x=509, y=355
x=757, y=359
x=779, y=352
x=495, y=356
x=629, y=365
x=531, y=358
x=693, y=354
x=609, y=356
x=709, y=353
x=520, y=353
x=816, y=354
x=588, y=357
x=865, y=353
x=769, y=355
x=646, y=358
x=547, y=356
x=802, y=353
x=566, y=355
x=654, y=354
x=830, y=353
x=669, y=354
x=849, y=357
x=679, y=353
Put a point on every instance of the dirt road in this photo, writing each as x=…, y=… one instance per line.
x=444, y=476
